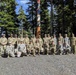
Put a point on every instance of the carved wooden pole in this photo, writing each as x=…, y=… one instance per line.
x=38, y=19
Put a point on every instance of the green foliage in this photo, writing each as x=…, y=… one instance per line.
x=23, y=21
x=65, y=11
x=7, y=14
x=45, y=18
x=21, y=15
x=32, y=14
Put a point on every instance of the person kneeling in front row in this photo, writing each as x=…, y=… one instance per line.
x=21, y=49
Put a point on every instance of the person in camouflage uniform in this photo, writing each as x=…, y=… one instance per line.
x=66, y=39
x=60, y=38
x=26, y=40
x=21, y=39
x=45, y=38
x=50, y=43
x=31, y=48
x=41, y=44
x=37, y=47
x=73, y=44
x=52, y=47
x=33, y=39
x=11, y=43
x=11, y=40
x=3, y=43
x=59, y=48
x=66, y=48
x=10, y=50
x=55, y=42
x=21, y=49
x=48, y=37
x=46, y=45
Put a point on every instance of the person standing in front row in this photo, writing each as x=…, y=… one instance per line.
x=26, y=41
x=40, y=44
x=55, y=42
x=3, y=43
x=11, y=40
x=61, y=39
x=73, y=44
x=66, y=39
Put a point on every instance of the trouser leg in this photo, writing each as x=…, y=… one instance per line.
x=28, y=51
x=19, y=54
x=12, y=54
x=33, y=52
x=73, y=49
x=38, y=51
x=2, y=50
x=24, y=52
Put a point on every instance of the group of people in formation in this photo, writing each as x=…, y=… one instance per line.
x=24, y=46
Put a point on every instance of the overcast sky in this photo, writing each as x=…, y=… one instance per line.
x=22, y=3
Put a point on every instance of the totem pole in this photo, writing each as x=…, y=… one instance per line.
x=38, y=19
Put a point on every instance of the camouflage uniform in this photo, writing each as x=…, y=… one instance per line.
x=55, y=42
x=11, y=42
x=21, y=48
x=26, y=40
x=48, y=38
x=10, y=50
x=31, y=48
x=66, y=48
x=41, y=44
x=66, y=39
x=33, y=39
x=46, y=45
x=21, y=39
x=73, y=44
x=52, y=47
x=3, y=43
x=60, y=38
x=59, y=48
x=37, y=47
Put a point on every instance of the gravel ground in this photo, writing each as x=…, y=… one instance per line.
x=39, y=65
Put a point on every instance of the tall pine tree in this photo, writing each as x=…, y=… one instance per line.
x=23, y=21
x=7, y=13
x=66, y=11
x=32, y=14
x=45, y=18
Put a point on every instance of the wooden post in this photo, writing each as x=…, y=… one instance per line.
x=38, y=19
